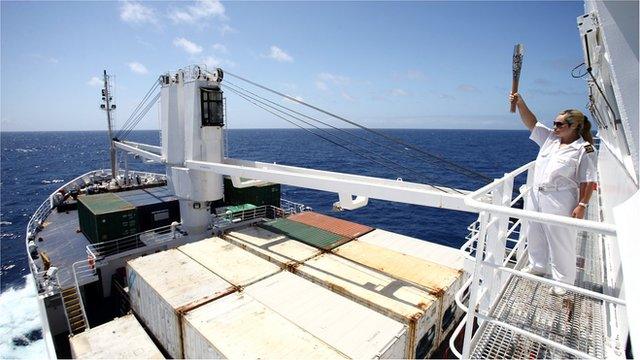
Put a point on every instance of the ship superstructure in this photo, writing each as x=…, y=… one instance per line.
x=198, y=252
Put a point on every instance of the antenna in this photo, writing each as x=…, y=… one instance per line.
x=108, y=107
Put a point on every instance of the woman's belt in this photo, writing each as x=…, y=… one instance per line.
x=554, y=188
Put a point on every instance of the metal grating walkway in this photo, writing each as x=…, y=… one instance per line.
x=573, y=320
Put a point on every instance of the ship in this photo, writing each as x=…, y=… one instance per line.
x=207, y=260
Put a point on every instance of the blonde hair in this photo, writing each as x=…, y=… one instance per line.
x=578, y=121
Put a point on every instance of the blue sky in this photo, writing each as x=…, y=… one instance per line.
x=383, y=64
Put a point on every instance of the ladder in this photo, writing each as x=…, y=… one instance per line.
x=73, y=310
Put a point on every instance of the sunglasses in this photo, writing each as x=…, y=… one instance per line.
x=559, y=124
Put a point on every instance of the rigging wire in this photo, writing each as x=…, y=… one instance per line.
x=264, y=107
x=426, y=160
x=130, y=120
x=141, y=115
x=415, y=172
x=460, y=169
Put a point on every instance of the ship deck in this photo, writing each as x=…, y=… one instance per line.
x=572, y=320
x=63, y=243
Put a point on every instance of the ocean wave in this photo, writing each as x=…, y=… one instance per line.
x=5, y=223
x=20, y=325
x=26, y=150
x=54, y=181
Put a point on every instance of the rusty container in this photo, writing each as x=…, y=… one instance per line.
x=441, y=281
x=344, y=228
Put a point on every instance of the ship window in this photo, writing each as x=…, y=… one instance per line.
x=211, y=107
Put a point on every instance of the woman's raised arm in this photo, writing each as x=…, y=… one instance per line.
x=528, y=118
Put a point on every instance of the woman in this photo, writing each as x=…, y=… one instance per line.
x=563, y=180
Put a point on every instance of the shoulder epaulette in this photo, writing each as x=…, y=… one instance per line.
x=589, y=148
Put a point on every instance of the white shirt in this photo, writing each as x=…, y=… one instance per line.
x=561, y=168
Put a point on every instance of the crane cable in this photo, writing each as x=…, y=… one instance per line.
x=134, y=114
x=460, y=169
x=264, y=107
x=428, y=161
x=415, y=172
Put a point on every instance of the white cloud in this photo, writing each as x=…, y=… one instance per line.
x=188, y=46
x=278, y=54
x=333, y=78
x=226, y=29
x=212, y=62
x=220, y=48
x=201, y=11
x=297, y=97
x=135, y=13
x=138, y=68
x=398, y=92
x=45, y=59
x=95, y=81
x=467, y=88
x=347, y=96
x=321, y=85
x=325, y=78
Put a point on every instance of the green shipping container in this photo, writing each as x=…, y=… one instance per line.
x=256, y=195
x=105, y=217
x=309, y=235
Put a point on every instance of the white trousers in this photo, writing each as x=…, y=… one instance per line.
x=552, y=249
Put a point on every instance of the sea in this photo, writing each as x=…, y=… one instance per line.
x=34, y=164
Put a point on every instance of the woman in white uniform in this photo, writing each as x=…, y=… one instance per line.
x=564, y=178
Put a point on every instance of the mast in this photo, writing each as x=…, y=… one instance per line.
x=108, y=107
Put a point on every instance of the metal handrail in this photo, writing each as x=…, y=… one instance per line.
x=75, y=278
x=473, y=200
x=112, y=247
x=494, y=214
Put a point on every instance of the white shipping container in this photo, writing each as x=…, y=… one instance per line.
x=436, y=253
x=230, y=262
x=352, y=329
x=278, y=249
x=120, y=338
x=165, y=285
x=441, y=281
x=391, y=297
x=439, y=254
x=240, y=327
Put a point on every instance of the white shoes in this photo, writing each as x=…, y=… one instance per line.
x=530, y=269
x=557, y=291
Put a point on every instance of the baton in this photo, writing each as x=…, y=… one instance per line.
x=518, y=52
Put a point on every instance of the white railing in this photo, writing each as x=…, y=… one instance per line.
x=291, y=207
x=82, y=270
x=497, y=255
x=156, y=236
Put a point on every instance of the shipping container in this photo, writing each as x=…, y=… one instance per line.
x=310, y=235
x=397, y=299
x=166, y=285
x=441, y=281
x=120, y=338
x=276, y=248
x=240, y=327
x=351, y=328
x=105, y=217
x=152, y=211
x=333, y=225
x=232, y=263
x=439, y=254
x=268, y=194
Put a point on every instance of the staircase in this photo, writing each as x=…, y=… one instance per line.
x=73, y=310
